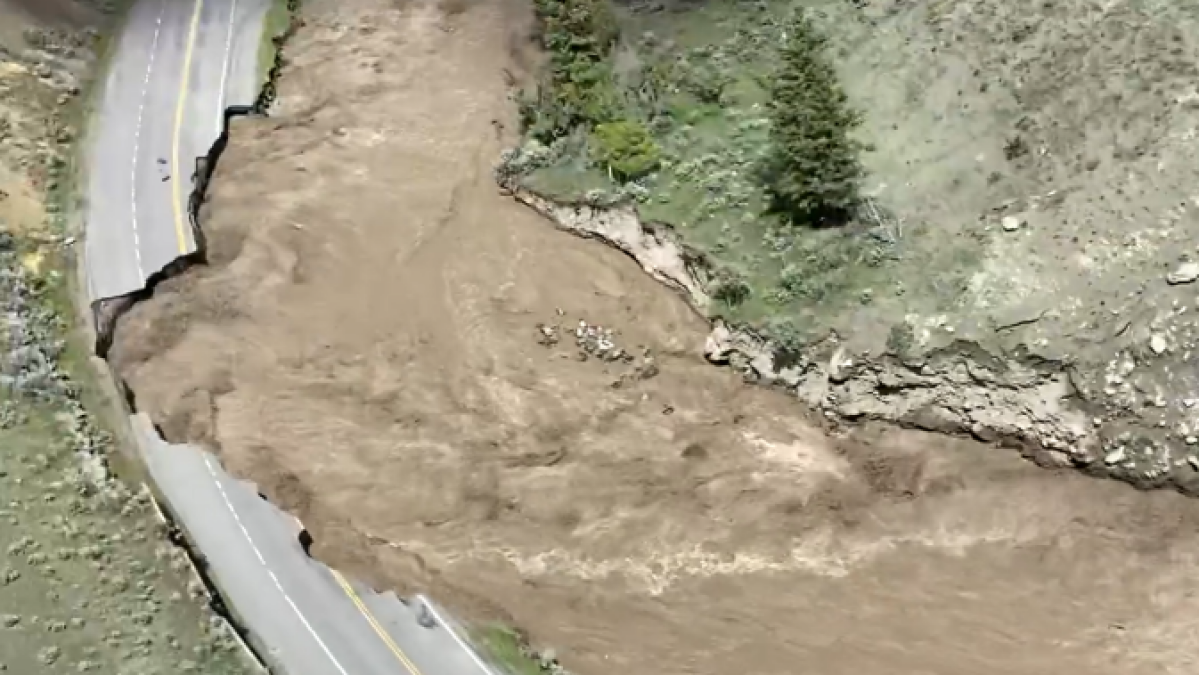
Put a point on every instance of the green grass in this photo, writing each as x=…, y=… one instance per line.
x=708, y=189
x=61, y=293
x=503, y=647
x=86, y=581
x=273, y=25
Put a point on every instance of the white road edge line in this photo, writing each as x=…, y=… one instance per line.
x=137, y=141
x=454, y=634
x=246, y=533
x=220, y=108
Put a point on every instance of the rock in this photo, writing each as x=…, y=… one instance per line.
x=1012, y=223
x=1157, y=342
x=813, y=390
x=763, y=366
x=49, y=655
x=719, y=344
x=1056, y=459
x=790, y=376
x=839, y=366
x=1186, y=273
x=1114, y=457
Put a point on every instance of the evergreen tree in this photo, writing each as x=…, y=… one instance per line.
x=813, y=172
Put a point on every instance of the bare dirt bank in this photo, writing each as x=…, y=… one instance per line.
x=393, y=351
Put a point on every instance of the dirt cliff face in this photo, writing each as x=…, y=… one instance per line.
x=454, y=396
x=1020, y=269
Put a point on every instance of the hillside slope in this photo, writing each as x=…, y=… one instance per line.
x=88, y=581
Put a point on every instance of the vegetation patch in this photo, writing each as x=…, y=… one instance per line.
x=726, y=122
x=88, y=582
x=509, y=650
x=579, y=88
x=812, y=173
x=274, y=26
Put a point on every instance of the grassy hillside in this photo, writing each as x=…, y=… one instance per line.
x=684, y=97
x=1022, y=199
x=88, y=582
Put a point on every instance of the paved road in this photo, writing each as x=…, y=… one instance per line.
x=312, y=620
x=178, y=63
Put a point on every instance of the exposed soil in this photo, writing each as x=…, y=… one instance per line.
x=1022, y=267
x=1043, y=178
x=392, y=350
x=24, y=15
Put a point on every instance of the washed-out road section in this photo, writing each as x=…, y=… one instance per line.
x=309, y=619
x=177, y=66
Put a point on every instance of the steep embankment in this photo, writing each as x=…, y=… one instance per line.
x=1019, y=270
x=960, y=388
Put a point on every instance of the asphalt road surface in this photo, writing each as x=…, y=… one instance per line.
x=178, y=63
x=309, y=619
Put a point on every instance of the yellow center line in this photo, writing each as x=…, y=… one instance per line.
x=383, y=635
x=180, y=233
x=184, y=81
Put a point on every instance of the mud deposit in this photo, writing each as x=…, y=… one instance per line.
x=428, y=375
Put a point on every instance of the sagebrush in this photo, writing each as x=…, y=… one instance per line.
x=577, y=89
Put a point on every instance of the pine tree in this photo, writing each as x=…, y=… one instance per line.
x=813, y=172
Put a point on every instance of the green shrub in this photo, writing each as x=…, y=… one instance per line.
x=624, y=148
x=813, y=172
x=730, y=288
x=900, y=340
x=706, y=81
x=586, y=27
x=578, y=88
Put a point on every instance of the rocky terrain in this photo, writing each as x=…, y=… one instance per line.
x=1023, y=270
x=88, y=581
